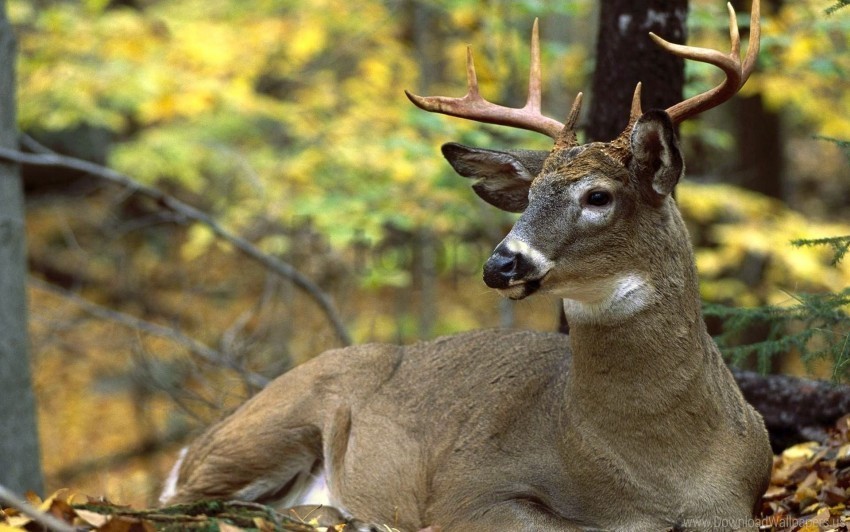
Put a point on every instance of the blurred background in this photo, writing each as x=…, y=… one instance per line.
x=286, y=121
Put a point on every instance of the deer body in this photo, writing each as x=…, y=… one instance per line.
x=398, y=447
x=632, y=422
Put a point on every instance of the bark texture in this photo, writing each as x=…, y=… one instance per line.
x=625, y=55
x=20, y=468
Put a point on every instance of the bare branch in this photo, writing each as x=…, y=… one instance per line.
x=189, y=212
x=198, y=348
x=10, y=500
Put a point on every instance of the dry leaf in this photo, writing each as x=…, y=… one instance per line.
x=263, y=525
x=809, y=527
x=822, y=517
x=122, y=523
x=227, y=527
x=93, y=518
x=801, y=451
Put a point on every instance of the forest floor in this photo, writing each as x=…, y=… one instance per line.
x=808, y=493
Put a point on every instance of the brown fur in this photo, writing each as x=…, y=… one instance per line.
x=632, y=422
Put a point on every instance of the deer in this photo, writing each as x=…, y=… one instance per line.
x=630, y=422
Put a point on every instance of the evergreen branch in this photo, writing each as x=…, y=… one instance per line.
x=840, y=244
x=189, y=212
x=821, y=329
x=843, y=144
x=835, y=7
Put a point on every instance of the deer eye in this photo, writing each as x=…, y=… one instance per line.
x=598, y=198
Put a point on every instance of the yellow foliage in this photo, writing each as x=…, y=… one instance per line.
x=199, y=239
x=803, y=64
x=307, y=40
x=754, y=227
x=812, y=55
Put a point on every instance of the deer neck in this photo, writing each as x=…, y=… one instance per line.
x=646, y=348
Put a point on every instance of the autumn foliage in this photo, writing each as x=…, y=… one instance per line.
x=288, y=123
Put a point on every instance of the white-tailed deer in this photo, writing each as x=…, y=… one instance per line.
x=632, y=422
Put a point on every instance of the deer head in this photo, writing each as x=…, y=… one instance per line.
x=587, y=209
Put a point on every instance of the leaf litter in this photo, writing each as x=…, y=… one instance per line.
x=809, y=491
x=809, y=486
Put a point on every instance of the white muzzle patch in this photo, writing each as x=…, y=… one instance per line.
x=542, y=265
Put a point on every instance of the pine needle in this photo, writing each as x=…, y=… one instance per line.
x=835, y=7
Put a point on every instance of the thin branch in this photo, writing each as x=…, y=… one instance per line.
x=198, y=348
x=190, y=213
x=144, y=448
x=10, y=500
x=180, y=395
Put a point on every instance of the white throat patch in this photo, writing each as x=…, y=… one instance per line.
x=608, y=299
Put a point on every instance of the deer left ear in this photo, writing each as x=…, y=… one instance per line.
x=656, y=158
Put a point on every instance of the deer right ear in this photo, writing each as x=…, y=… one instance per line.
x=502, y=177
x=656, y=159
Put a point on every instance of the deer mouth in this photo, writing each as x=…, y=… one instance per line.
x=521, y=289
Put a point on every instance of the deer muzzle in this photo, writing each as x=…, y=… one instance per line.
x=515, y=269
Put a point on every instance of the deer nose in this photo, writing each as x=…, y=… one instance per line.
x=505, y=267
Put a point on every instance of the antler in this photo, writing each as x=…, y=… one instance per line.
x=736, y=72
x=474, y=107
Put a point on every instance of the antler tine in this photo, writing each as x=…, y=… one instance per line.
x=736, y=74
x=567, y=138
x=755, y=41
x=474, y=107
x=535, y=76
x=636, y=110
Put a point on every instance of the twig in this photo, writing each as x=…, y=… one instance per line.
x=144, y=448
x=8, y=498
x=190, y=213
x=198, y=348
x=229, y=342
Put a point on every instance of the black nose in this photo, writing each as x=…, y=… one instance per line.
x=505, y=266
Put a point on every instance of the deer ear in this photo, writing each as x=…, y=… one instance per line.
x=502, y=177
x=656, y=158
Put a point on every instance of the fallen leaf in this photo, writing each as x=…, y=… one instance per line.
x=804, y=497
x=801, y=451
x=227, y=527
x=263, y=525
x=122, y=523
x=92, y=518
x=809, y=527
x=822, y=517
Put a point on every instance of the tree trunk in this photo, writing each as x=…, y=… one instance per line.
x=761, y=161
x=625, y=55
x=20, y=468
